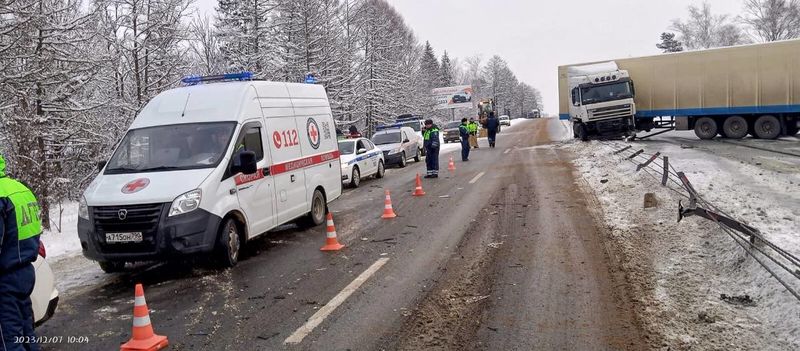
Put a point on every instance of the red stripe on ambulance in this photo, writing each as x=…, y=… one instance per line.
x=289, y=166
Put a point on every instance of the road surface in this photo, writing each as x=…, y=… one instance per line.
x=499, y=255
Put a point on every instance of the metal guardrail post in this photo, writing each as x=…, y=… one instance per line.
x=665, y=176
x=650, y=160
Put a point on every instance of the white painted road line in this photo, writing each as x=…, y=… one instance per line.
x=476, y=178
x=507, y=151
x=337, y=300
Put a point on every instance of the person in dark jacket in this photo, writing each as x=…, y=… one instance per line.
x=20, y=227
x=492, y=125
x=430, y=136
x=464, y=132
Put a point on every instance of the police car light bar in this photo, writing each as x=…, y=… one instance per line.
x=389, y=126
x=193, y=80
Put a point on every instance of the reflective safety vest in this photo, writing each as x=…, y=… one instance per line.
x=427, y=134
x=18, y=233
x=472, y=127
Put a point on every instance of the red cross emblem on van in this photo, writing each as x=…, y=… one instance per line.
x=313, y=132
x=135, y=185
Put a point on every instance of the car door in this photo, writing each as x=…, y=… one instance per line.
x=255, y=192
x=374, y=156
x=406, y=145
x=363, y=162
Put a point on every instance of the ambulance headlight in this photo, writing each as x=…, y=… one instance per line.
x=186, y=203
x=83, y=209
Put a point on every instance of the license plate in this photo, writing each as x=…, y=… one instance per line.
x=134, y=237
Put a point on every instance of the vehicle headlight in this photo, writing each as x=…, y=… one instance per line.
x=83, y=208
x=186, y=203
x=395, y=151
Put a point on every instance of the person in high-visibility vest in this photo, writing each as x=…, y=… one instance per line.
x=463, y=131
x=20, y=227
x=473, y=133
x=430, y=136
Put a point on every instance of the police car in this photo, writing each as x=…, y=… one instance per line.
x=206, y=167
x=360, y=159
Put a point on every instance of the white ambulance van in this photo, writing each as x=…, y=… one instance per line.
x=205, y=167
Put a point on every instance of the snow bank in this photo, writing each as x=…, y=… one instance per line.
x=677, y=271
x=65, y=243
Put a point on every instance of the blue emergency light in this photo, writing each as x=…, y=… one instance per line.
x=389, y=126
x=194, y=80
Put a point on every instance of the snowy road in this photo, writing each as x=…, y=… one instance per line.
x=503, y=252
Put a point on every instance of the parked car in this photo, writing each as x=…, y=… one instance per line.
x=206, y=167
x=505, y=120
x=399, y=145
x=44, y=297
x=450, y=132
x=360, y=159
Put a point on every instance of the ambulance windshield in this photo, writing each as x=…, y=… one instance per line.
x=171, y=147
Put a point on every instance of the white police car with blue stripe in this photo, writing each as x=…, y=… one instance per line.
x=360, y=159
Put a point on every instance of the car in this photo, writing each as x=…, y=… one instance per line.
x=399, y=145
x=208, y=166
x=450, y=132
x=360, y=159
x=44, y=297
x=461, y=98
x=505, y=120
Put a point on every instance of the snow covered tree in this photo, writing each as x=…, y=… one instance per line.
x=500, y=84
x=204, y=44
x=447, y=71
x=245, y=41
x=771, y=20
x=669, y=44
x=703, y=29
x=429, y=65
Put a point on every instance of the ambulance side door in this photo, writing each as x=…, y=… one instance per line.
x=255, y=192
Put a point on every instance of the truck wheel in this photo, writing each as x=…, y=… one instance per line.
x=767, y=127
x=229, y=243
x=735, y=127
x=705, y=128
x=111, y=267
x=583, y=133
x=403, y=161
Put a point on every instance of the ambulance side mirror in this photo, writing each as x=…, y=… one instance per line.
x=245, y=162
x=101, y=165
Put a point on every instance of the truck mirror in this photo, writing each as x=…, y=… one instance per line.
x=245, y=162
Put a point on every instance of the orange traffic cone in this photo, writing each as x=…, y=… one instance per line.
x=452, y=166
x=143, y=337
x=418, y=190
x=388, y=212
x=331, y=244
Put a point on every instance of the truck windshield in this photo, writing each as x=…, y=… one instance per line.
x=608, y=92
x=171, y=148
x=386, y=138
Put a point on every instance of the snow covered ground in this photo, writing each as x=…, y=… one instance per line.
x=64, y=243
x=678, y=271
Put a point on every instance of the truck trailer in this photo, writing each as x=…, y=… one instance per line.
x=730, y=92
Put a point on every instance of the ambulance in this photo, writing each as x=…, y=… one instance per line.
x=208, y=166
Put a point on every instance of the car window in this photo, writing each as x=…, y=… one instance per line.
x=250, y=140
x=346, y=147
x=369, y=145
x=386, y=138
x=360, y=145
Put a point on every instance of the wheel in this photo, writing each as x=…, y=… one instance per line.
x=316, y=216
x=355, y=180
x=583, y=134
x=381, y=170
x=705, y=128
x=111, y=267
x=229, y=243
x=418, y=157
x=735, y=127
x=767, y=127
x=403, y=161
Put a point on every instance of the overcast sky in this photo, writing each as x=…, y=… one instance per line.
x=536, y=36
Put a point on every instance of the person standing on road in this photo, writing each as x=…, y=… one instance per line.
x=492, y=125
x=20, y=227
x=466, y=139
x=430, y=136
x=473, y=133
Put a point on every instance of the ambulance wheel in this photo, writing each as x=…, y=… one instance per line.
x=403, y=161
x=381, y=170
x=229, y=243
x=318, y=211
x=111, y=267
x=355, y=179
x=418, y=157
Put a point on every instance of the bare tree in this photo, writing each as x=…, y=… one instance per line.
x=771, y=20
x=703, y=29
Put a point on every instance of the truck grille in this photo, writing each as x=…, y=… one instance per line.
x=137, y=218
x=611, y=112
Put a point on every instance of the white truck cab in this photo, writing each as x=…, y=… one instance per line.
x=205, y=167
x=601, y=100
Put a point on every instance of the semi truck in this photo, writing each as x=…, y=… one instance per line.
x=728, y=92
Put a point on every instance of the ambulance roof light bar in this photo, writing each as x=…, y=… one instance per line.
x=194, y=80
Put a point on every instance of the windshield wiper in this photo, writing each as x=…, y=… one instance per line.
x=159, y=168
x=122, y=170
